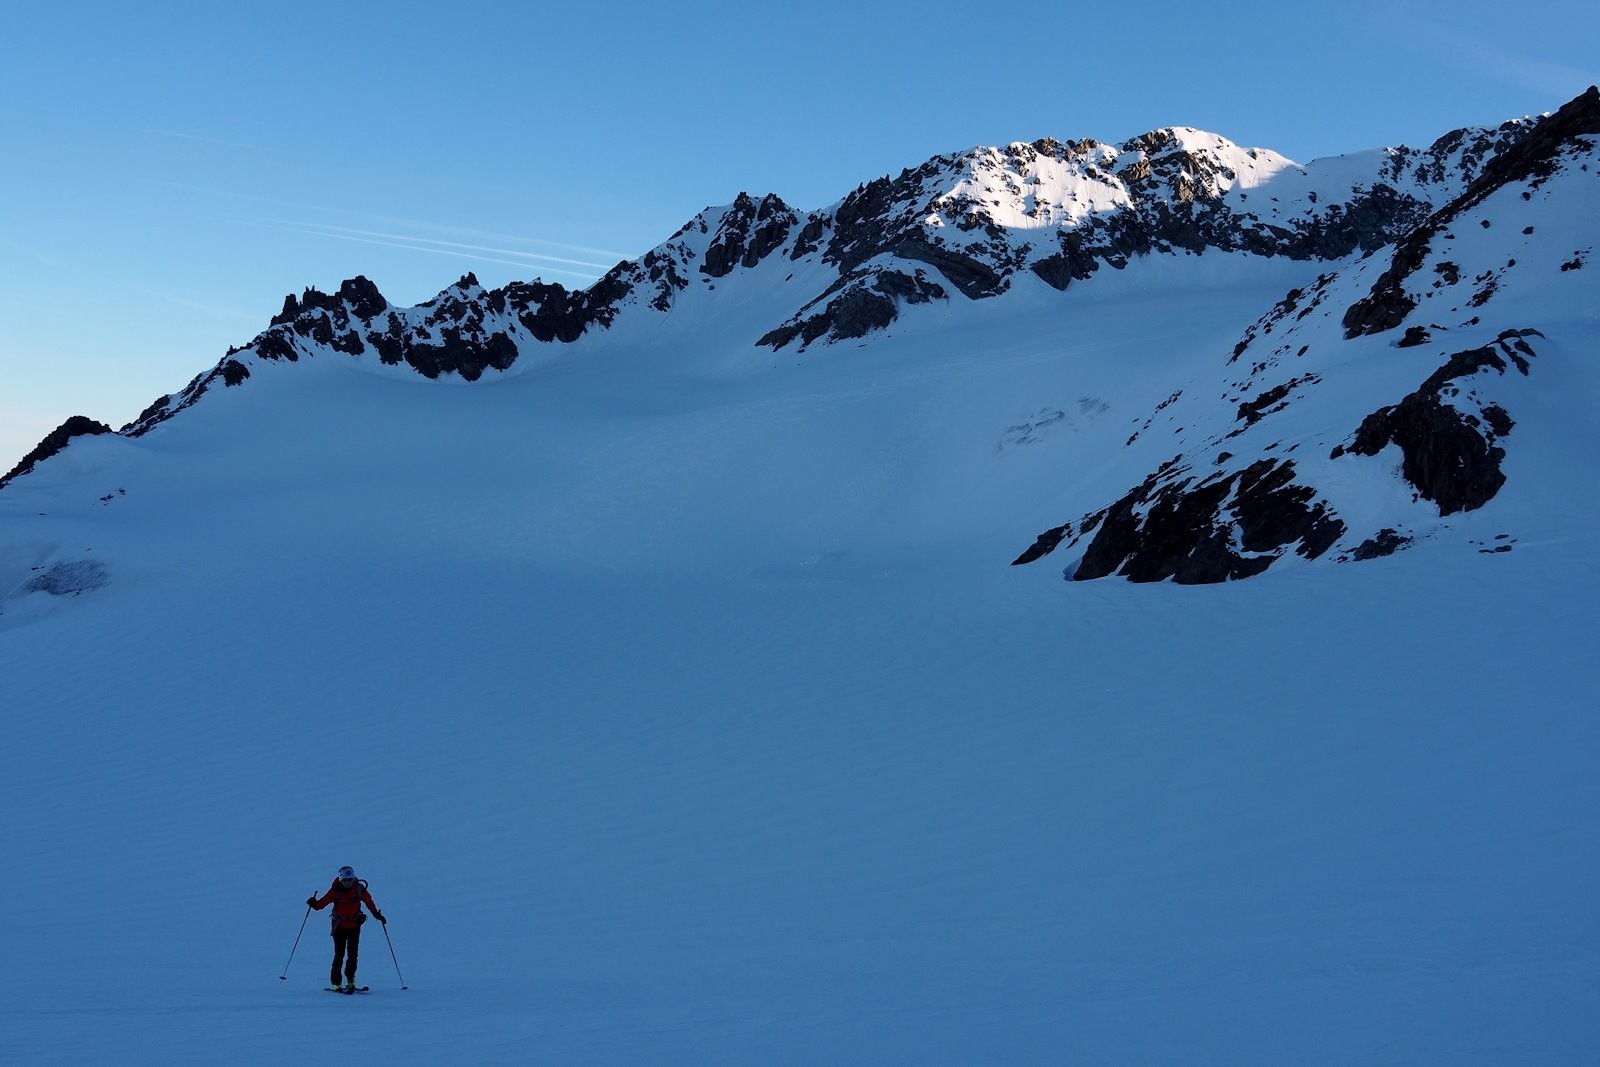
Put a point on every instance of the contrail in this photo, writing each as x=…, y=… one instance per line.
x=351, y=230
x=415, y=245
x=459, y=231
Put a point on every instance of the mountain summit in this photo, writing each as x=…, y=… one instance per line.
x=975, y=223
x=1418, y=350
x=1380, y=234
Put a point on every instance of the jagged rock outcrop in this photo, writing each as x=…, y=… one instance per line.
x=749, y=232
x=867, y=303
x=974, y=225
x=1217, y=528
x=1238, y=514
x=1191, y=525
x=357, y=296
x=1451, y=454
x=54, y=442
x=1063, y=211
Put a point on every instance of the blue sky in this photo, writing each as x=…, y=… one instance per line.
x=169, y=172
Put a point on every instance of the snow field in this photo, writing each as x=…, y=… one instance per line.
x=686, y=715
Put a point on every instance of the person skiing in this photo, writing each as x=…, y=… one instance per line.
x=346, y=894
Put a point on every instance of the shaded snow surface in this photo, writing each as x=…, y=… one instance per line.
x=680, y=707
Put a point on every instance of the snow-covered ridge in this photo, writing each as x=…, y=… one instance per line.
x=1326, y=398
x=974, y=222
x=966, y=226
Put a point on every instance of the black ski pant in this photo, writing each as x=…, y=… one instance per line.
x=346, y=944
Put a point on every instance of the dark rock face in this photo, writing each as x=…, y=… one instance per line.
x=1451, y=455
x=869, y=303
x=1074, y=263
x=1193, y=528
x=551, y=312
x=1446, y=458
x=975, y=278
x=1196, y=223
x=465, y=354
x=810, y=238
x=357, y=296
x=363, y=298
x=878, y=214
x=1251, y=411
x=457, y=332
x=54, y=442
x=1385, y=542
x=1045, y=544
x=276, y=344
x=750, y=232
x=1219, y=529
x=465, y=330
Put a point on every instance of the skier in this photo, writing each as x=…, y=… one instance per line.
x=346, y=894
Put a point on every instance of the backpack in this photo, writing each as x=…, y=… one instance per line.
x=340, y=895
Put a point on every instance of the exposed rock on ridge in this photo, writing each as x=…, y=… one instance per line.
x=1187, y=524
x=1196, y=528
x=963, y=226
x=749, y=233
x=1063, y=211
x=58, y=439
x=972, y=222
x=1217, y=528
x=1452, y=456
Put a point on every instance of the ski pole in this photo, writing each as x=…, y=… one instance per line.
x=285, y=975
x=392, y=956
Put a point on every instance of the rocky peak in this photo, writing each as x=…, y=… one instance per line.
x=357, y=296
x=1233, y=501
x=965, y=225
x=54, y=442
x=1183, y=163
x=748, y=232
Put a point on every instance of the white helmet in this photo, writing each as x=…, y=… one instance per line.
x=346, y=874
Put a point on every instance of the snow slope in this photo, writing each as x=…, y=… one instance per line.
x=677, y=701
x=1456, y=358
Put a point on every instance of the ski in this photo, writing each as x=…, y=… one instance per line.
x=342, y=989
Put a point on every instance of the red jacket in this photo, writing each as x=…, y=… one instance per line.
x=347, y=903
